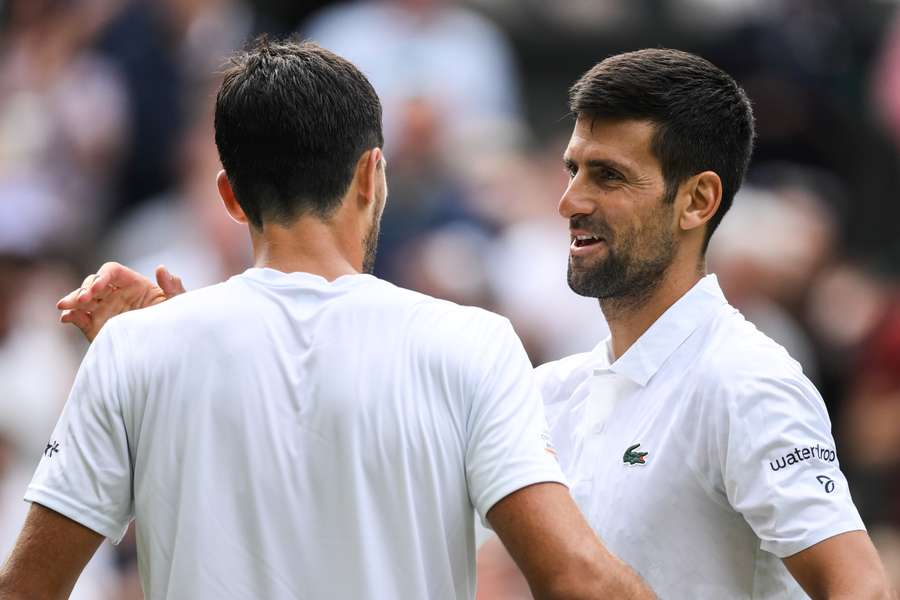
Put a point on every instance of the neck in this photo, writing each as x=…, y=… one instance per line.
x=630, y=317
x=310, y=245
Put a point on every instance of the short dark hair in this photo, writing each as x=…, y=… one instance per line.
x=292, y=120
x=703, y=118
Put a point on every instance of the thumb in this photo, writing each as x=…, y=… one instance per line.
x=169, y=283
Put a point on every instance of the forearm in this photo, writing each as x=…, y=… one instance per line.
x=861, y=590
x=597, y=574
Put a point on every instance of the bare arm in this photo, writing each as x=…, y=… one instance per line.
x=557, y=551
x=48, y=557
x=843, y=566
x=498, y=576
x=112, y=290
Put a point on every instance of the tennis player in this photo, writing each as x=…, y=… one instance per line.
x=695, y=445
x=305, y=430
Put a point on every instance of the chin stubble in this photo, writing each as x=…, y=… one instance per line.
x=623, y=276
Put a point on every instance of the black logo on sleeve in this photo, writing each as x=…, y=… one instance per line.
x=800, y=454
x=827, y=483
x=51, y=448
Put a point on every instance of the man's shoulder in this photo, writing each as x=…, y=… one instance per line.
x=436, y=315
x=739, y=362
x=202, y=304
x=734, y=348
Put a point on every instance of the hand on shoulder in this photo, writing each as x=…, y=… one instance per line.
x=113, y=290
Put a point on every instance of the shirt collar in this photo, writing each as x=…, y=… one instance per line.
x=644, y=358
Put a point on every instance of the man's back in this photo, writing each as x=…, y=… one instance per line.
x=287, y=437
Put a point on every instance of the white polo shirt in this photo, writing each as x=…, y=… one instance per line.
x=280, y=436
x=702, y=456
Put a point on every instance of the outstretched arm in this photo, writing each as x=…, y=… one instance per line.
x=556, y=549
x=112, y=290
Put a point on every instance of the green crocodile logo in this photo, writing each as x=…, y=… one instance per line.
x=634, y=458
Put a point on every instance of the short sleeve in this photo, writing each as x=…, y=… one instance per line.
x=508, y=444
x=780, y=465
x=85, y=472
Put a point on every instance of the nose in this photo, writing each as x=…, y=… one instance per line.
x=574, y=201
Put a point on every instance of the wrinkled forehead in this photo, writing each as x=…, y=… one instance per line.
x=627, y=141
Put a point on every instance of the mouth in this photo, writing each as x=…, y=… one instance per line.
x=583, y=244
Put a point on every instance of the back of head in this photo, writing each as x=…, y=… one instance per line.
x=703, y=119
x=292, y=120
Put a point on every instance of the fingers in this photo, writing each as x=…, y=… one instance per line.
x=109, y=277
x=79, y=300
x=69, y=301
x=95, y=288
x=170, y=284
x=81, y=319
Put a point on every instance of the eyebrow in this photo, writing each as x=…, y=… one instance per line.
x=600, y=163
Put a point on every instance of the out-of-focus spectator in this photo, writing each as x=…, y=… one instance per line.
x=168, y=51
x=37, y=364
x=186, y=227
x=768, y=281
x=858, y=314
x=425, y=193
x=527, y=263
x=63, y=121
x=436, y=52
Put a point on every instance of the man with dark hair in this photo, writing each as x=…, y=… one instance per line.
x=303, y=430
x=695, y=445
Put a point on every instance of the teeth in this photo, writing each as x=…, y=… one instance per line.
x=582, y=238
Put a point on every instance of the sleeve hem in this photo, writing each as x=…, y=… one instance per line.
x=786, y=549
x=503, y=489
x=51, y=499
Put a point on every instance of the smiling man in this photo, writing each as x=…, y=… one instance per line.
x=304, y=429
x=694, y=444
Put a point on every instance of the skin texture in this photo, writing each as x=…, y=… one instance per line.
x=843, y=566
x=49, y=555
x=557, y=549
x=548, y=538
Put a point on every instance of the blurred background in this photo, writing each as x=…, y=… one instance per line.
x=106, y=152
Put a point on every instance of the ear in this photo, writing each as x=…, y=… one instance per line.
x=367, y=176
x=704, y=194
x=229, y=200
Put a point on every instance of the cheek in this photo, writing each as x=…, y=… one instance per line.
x=642, y=230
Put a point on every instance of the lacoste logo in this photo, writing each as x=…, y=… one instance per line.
x=634, y=458
x=51, y=448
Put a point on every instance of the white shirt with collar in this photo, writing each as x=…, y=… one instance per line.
x=703, y=455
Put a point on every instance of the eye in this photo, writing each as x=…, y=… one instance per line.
x=570, y=169
x=608, y=174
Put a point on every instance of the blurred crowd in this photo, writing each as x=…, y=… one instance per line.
x=106, y=152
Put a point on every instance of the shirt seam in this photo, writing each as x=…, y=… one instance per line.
x=812, y=538
x=76, y=511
